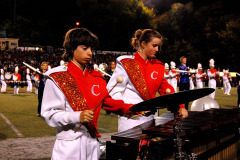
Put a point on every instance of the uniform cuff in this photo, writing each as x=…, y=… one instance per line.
x=74, y=117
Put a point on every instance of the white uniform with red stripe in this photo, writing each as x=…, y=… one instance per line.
x=153, y=73
x=212, y=73
x=173, y=79
x=227, y=84
x=59, y=111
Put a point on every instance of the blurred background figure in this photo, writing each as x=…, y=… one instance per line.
x=111, y=69
x=191, y=83
x=200, y=76
x=212, y=75
x=44, y=68
x=226, y=82
x=4, y=85
x=173, y=76
x=16, y=81
x=36, y=84
x=184, y=83
x=166, y=73
x=29, y=81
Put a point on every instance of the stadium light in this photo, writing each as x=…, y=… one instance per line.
x=77, y=24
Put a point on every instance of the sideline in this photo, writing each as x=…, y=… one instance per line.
x=11, y=125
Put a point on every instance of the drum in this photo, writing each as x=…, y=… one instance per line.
x=8, y=76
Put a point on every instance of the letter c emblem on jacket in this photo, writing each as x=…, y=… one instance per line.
x=93, y=90
x=152, y=75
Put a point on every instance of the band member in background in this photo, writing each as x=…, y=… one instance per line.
x=112, y=67
x=200, y=76
x=16, y=81
x=29, y=81
x=71, y=96
x=166, y=73
x=191, y=83
x=44, y=68
x=143, y=76
x=184, y=83
x=37, y=81
x=212, y=75
x=173, y=76
x=4, y=85
x=227, y=79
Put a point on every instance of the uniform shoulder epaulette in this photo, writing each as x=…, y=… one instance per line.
x=55, y=70
x=125, y=57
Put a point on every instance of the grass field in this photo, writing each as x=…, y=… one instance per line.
x=21, y=111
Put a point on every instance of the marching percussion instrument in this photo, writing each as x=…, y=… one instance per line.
x=8, y=76
x=203, y=135
x=208, y=135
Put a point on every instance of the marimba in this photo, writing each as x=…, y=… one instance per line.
x=207, y=135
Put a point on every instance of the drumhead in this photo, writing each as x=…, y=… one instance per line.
x=8, y=76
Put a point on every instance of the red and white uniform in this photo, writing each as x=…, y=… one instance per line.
x=58, y=111
x=29, y=82
x=212, y=74
x=227, y=83
x=199, y=79
x=16, y=78
x=191, y=84
x=167, y=76
x=4, y=85
x=173, y=79
x=153, y=75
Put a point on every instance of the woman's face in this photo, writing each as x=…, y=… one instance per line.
x=82, y=55
x=113, y=65
x=151, y=48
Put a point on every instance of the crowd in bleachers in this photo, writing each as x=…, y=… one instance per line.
x=10, y=59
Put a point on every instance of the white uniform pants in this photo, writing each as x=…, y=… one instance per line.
x=212, y=84
x=199, y=85
x=29, y=87
x=83, y=148
x=4, y=86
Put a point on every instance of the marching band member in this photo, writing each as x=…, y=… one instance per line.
x=227, y=82
x=184, y=84
x=29, y=81
x=166, y=73
x=173, y=76
x=37, y=81
x=70, y=96
x=16, y=79
x=143, y=76
x=212, y=75
x=4, y=85
x=200, y=76
x=44, y=68
x=191, y=84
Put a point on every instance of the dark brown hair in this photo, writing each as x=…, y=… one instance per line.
x=145, y=35
x=75, y=37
